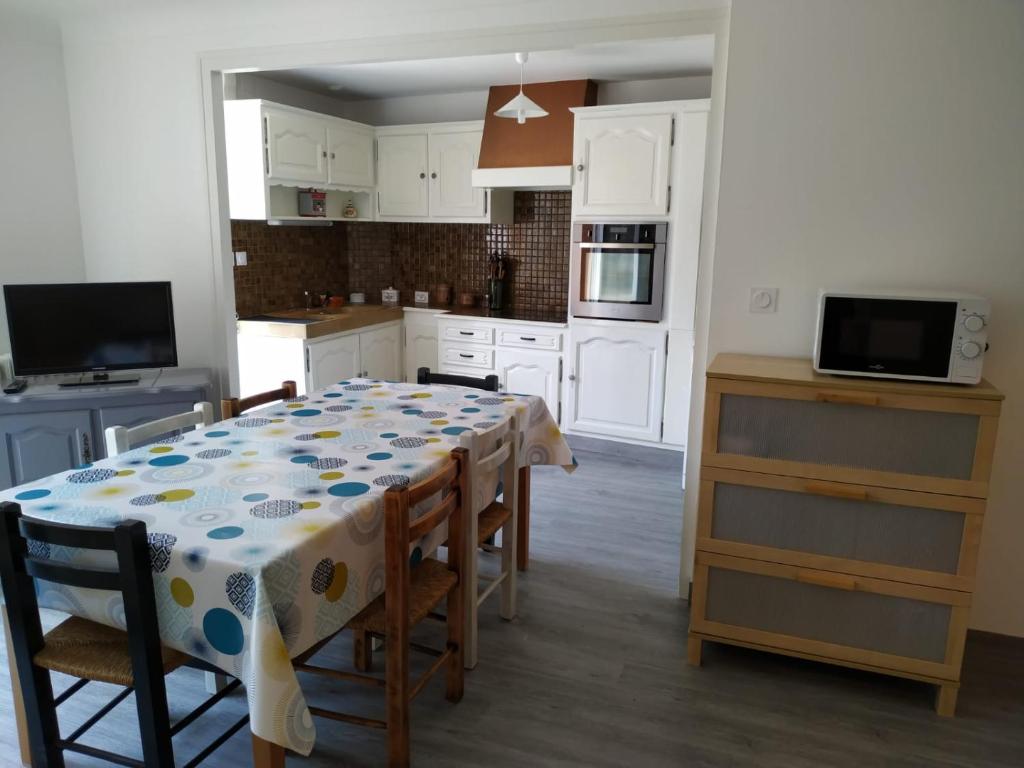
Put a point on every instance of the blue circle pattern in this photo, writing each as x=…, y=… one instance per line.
x=224, y=631
x=348, y=489
x=35, y=493
x=226, y=532
x=168, y=461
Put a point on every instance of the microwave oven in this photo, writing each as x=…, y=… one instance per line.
x=902, y=335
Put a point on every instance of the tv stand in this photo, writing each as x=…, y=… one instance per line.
x=91, y=380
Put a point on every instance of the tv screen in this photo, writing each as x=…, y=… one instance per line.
x=75, y=327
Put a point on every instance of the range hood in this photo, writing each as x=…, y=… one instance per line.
x=536, y=154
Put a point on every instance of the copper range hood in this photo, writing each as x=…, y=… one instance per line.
x=536, y=154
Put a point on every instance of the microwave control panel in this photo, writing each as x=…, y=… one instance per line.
x=969, y=341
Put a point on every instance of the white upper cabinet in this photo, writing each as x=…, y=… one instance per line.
x=453, y=158
x=402, y=175
x=622, y=163
x=617, y=381
x=350, y=159
x=296, y=147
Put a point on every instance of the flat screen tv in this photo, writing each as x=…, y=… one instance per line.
x=90, y=327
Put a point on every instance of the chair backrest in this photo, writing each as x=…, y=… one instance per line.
x=493, y=455
x=400, y=531
x=121, y=439
x=488, y=383
x=24, y=544
x=236, y=406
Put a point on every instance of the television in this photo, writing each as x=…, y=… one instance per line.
x=90, y=328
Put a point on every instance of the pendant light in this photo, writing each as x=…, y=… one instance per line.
x=521, y=107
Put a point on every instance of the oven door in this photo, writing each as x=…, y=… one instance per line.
x=888, y=337
x=618, y=281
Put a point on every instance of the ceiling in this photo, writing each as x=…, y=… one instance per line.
x=645, y=60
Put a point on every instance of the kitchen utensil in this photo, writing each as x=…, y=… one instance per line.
x=467, y=299
x=422, y=297
x=357, y=298
x=312, y=202
x=389, y=296
x=444, y=294
x=336, y=301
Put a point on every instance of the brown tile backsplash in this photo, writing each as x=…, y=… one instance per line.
x=285, y=261
x=370, y=256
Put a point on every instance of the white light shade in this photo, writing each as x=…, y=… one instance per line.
x=521, y=107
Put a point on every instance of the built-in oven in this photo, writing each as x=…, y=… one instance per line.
x=618, y=271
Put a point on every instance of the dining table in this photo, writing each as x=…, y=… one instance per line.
x=266, y=530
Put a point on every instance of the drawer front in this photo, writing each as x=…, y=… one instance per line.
x=473, y=334
x=882, y=624
x=919, y=538
x=529, y=338
x=475, y=358
x=919, y=443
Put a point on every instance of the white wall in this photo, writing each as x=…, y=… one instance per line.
x=40, y=237
x=871, y=148
x=468, y=105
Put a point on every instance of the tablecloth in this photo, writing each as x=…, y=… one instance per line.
x=266, y=531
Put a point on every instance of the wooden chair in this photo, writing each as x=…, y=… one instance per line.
x=236, y=406
x=495, y=450
x=121, y=439
x=411, y=594
x=488, y=383
x=89, y=651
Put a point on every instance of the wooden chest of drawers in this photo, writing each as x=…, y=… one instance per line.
x=840, y=518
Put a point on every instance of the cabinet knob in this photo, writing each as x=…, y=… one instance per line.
x=572, y=377
x=580, y=167
x=433, y=175
x=332, y=155
x=423, y=175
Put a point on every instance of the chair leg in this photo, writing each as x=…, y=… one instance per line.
x=362, y=650
x=34, y=709
x=19, y=701
x=509, y=607
x=471, y=609
x=456, y=643
x=154, y=725
x=397, y=687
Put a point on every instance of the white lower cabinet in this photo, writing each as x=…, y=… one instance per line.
x=332, y=360
x=380, y=352
x=616, y=381
x=420, y=343
x=531, y=373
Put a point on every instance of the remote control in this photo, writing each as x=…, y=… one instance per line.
x=14, y=386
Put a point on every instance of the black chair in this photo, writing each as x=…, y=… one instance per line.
x=488, y=383
x=89, y=651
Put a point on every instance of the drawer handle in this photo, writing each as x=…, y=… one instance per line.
x=527, y=338
x=840, y=492
x=846, y=399
x=466, y=333
x=463, y=354
x=830, y=580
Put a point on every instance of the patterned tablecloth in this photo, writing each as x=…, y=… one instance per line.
x=266, y=531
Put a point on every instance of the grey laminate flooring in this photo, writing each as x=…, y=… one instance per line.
x=593, y=672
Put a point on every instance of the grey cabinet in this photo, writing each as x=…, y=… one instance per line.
x=45, y=429
x=40, y=444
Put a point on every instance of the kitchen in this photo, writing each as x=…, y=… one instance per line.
x=557, y=251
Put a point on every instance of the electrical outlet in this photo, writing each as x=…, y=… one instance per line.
x=764, y=300
x=241, y=258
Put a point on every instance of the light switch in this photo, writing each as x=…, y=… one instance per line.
x=241, y=258
x=764, y=300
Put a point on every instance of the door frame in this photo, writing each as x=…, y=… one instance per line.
x=534, y=37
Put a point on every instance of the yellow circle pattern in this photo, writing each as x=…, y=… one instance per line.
x=178, y=494
x=161, y=449
x=182, y=593
x=338, y=583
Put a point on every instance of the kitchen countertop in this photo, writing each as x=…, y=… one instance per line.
x=314, y=323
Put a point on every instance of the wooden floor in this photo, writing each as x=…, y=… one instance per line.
x=593, y=671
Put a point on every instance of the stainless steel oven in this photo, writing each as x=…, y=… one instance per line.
x=618, y=271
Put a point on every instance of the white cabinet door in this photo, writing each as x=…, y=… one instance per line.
x=381, y=352
x=402, y=175
x=617, y=381
x=296, y=147
x=331, y=361
x=350, y=155
x=420, y=348
x=622, y=164
x=453, y=158
x=679, y=370
x=530, y=373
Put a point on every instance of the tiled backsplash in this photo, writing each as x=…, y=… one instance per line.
x=285, y=261
x=370, y=256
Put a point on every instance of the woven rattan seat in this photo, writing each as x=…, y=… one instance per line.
x=430, y=582
x=92, y=651
x=491, y=520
